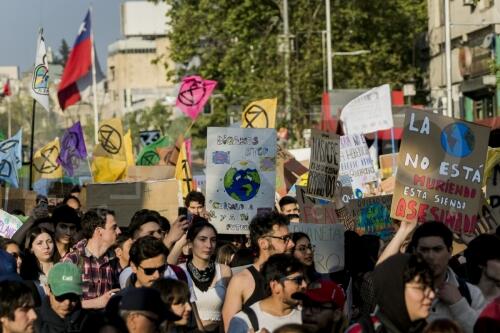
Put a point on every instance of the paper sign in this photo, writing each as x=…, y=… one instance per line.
x=373, y=215
x=369, y=112
x=329, y=242
x=241, y=176
x=314, y=210
x=324, y=166
x=355, y=162
x=440, y=171
x=288, y=171
x=8, y=224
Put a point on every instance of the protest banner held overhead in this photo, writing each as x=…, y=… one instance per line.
x=356, y=166
x=440, y=170
x=241, y=176
x=328, y=240
x=372, y=215
x=314, y=210
x=369, y=112
x=260, y=114
x=8, y=224
x=288, y=170
x=324, y=165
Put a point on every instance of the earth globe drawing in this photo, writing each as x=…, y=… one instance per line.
x=242, y=181
x=457, y=140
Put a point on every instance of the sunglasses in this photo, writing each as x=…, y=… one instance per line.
x=297, y=279
x=152, y=270
x=73, y=298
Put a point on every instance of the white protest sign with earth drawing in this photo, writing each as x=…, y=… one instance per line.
x=241, y=176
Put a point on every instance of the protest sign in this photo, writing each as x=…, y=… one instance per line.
x=324, y=166
x=369, y=112
x=355, y=162
x=312, y=210
x=288, y=171
x=241, y=176
x=8, y=224
x=329, y=242
x=373, y=215
x=440, y=170
x=387, y=164
x=493, y=191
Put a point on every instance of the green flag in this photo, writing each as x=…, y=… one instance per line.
x=149, y=155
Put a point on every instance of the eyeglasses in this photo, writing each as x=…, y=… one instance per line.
x=285, y=238
x=304, y=248
x=152, y=270
x=73, y=298
x=297, y=279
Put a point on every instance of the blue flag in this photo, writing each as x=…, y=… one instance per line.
x=14, y=145
x=8, y=169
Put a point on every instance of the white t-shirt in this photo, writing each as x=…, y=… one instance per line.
x=240, y=323
x=169, y=274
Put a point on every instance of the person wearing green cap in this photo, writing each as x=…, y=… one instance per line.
x=62, y=311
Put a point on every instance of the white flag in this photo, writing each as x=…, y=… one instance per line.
x=40, y=82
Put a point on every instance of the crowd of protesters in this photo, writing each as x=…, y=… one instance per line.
x=75, y=271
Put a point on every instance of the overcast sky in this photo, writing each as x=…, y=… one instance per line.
x=20, y=20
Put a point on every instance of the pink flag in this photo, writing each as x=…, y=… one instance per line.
x=193, y=95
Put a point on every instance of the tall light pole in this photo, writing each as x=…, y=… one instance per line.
x=288, y=89
x=447, y=38
x=329, y=56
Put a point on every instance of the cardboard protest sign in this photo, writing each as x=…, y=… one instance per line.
x=356, y=163
x=369, y=112
x=440, y=170
x=329, y=242
x=373, y=215
x=493, y=190
x=312, y=210
x=8, y=224
x=324, y=166
x=241, y=176
x=288, y=171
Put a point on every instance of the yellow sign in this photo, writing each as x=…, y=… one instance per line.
x=260, y=114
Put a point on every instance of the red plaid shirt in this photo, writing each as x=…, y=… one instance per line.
x=99, y=275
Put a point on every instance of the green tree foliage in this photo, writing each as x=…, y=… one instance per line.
x=64, y=52
x=240, y=45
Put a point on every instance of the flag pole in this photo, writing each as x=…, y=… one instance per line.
x=94, y=85
x=32, y=143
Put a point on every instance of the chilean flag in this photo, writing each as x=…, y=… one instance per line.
x=77, y=74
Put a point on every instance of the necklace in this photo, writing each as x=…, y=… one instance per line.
x=202, y=278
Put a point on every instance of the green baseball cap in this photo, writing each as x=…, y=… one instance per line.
x=65, y=278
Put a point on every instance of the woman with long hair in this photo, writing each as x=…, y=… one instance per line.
x=39, y=255
x=210, y=279
x=175, y=294
x=304, y=251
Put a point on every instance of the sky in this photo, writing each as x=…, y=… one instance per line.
x=21, y=19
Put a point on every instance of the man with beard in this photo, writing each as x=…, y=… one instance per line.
x=284, y=277
x=269, y=235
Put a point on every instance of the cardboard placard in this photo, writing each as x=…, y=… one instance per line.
x=314, y=211
x=18, y=198
x=440, y=171
x=373, y=215
x=356, y=165
x=138, y=173
x=125, y=198
x=241, y=176
x=493, y=191
x=288, y=170
x=8, y=224
x=325, y=163
x=329, y=242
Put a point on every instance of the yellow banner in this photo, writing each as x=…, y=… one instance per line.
x=129, y=152
x=183, y=172
x=106, y=169
x=111, y=140
x=45, y=163
x=260, y=114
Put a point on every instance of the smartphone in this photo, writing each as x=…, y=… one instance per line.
x=182, y=211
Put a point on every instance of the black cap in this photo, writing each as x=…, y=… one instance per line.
x=146, y=299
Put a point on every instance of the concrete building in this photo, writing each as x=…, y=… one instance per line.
x=136, y=74
x=475, y=43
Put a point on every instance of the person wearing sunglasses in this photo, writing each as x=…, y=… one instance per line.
x=62, y=311
x=148, y=260
x=283, y=276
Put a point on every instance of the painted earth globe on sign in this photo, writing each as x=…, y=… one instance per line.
x=457, y=140
x=242, y=180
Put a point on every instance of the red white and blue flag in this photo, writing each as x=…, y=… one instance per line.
x=76, y=81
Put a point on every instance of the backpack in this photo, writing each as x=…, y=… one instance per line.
x=464, y=290
x=252, y=317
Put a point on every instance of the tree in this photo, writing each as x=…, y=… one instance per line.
x=64, y=52
x=238, y=42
